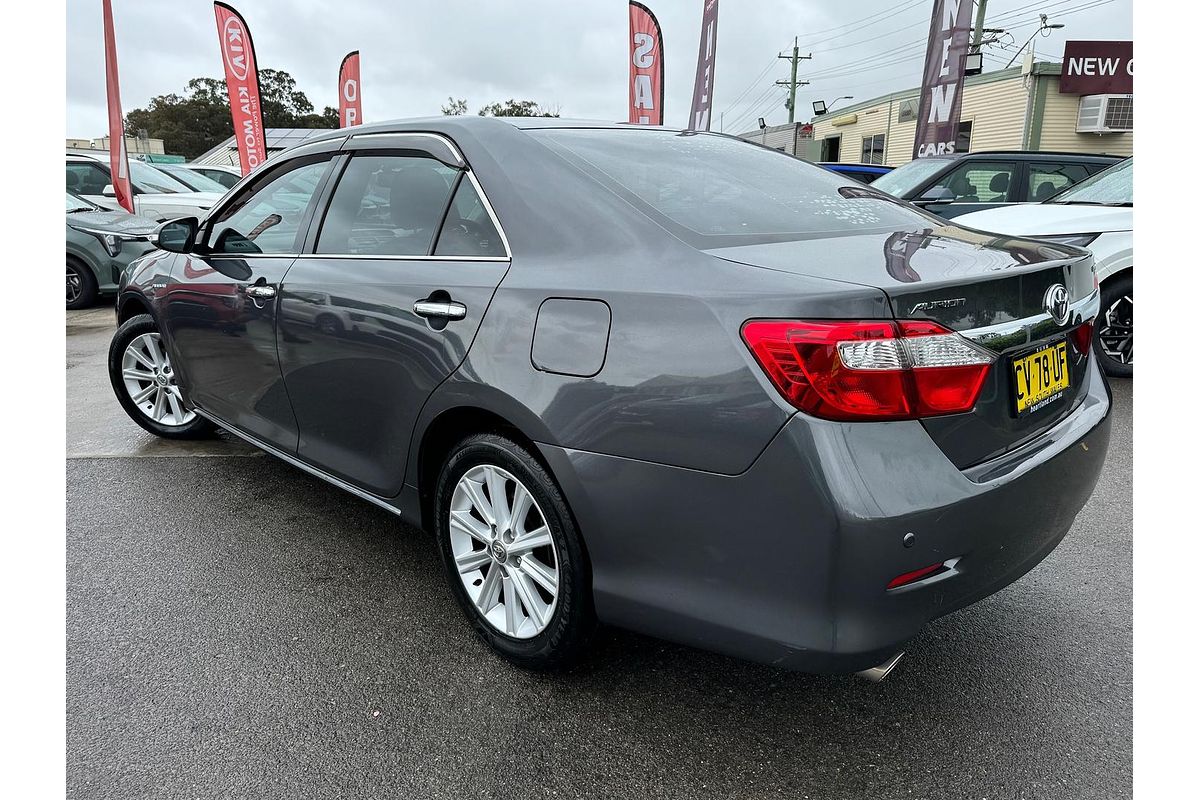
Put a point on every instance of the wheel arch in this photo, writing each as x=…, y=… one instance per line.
x=131, y=304
x=1121, y=273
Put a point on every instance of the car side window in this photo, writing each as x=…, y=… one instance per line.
x=386, y=205
x=266, y=219
x=86, y=178
x=1047, y=180
x=980, y=181
x=468, y=230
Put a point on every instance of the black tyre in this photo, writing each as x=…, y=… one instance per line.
x=144, y=382
x=81, y=285
x=513, y=556
x=1113, y=338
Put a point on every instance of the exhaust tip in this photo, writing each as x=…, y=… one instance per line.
x=878, y=673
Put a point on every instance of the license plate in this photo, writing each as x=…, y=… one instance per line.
x=1041, y=378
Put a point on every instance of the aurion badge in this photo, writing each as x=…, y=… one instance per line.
x=1057, y=303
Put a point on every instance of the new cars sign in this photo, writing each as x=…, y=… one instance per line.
x=941, y=88
x=645, y=67
x=241, y=79
x=1097, y=68
x=349, y=92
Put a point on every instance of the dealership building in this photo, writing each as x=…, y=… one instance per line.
x=1019, y=108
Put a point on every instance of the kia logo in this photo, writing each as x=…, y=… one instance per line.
x=235, y=46
x=1057, y=303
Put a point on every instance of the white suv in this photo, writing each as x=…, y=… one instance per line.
x=155, y=194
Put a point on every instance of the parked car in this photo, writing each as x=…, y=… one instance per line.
x=155, y=194
x=642, y=376
x=196, y=181
x=226, y=176
x=959, y=184
x=866, y=173
x=100, y=244
x=1097, y=214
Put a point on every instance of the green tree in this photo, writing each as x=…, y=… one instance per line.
x=454, y=108
x=517, y=108
x=199, y=120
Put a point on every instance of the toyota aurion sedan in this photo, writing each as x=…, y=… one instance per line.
x=667, y=380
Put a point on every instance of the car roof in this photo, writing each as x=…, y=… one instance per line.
x=844, y=165
x=442, y=124
x=1035, y=155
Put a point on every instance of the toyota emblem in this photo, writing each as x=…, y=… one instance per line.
x=1057, y=303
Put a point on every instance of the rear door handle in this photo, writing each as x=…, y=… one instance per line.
x=442, y=309
x=260, y=291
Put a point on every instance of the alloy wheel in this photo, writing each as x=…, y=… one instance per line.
x=1116, y=330
x=150, y=382
x=74, y=284
x=503, y=551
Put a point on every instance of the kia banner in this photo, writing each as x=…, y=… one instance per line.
x=941, y=88
x=349, y=97
x=241, y=79
x=645, y=66
x=118, y=159
x=702, y=90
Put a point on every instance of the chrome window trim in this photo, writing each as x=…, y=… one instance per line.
x=445, y=139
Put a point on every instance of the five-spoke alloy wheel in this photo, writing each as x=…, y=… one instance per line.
x=513, y=556
x=141, y=375
x=503, y=551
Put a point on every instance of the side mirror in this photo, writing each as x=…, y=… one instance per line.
x=177, y=235
x=108, y=190
x=937, y=194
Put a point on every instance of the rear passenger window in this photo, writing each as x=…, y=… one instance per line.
x=980, y=182
x=386, y=205
x=468, y=230
x=1047, y=180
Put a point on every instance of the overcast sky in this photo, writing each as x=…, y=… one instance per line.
x=571, y=55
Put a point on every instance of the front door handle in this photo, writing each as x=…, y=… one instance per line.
x=261, y=291
x=441, y=309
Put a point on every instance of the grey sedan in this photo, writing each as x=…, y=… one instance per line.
x=667, y=380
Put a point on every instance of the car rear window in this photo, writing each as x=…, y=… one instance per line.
x=717, y=190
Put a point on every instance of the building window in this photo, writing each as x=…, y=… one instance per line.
x=962, y=144
x=872, y=149
x=908, y=110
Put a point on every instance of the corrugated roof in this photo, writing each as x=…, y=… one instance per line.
x=225, y=154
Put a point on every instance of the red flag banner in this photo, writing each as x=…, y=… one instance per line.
x=349, y=92
x=118, y=159
x=941, y=90
x=702, y=90
x=241, y=79
x=645, y=66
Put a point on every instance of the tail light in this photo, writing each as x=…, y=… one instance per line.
x=1081, y=337
x=870, y=370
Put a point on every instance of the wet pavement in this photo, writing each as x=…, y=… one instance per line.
x=237, y=628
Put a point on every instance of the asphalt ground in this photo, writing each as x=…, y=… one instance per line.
x=237, y=628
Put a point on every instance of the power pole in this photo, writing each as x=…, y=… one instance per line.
x=977, y=36
x=795, y=58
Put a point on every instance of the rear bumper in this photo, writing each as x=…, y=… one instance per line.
x=788, y=562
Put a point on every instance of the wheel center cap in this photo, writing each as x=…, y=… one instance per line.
x=161, y=379
x=499, y=552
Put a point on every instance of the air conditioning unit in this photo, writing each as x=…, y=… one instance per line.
x=1105, y=113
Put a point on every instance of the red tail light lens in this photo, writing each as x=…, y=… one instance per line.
x=1081, y=337
x=874, y=369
